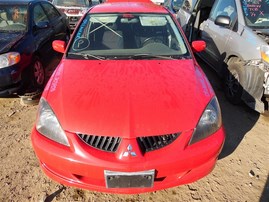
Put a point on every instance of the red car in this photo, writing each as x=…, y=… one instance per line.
x=128, y=109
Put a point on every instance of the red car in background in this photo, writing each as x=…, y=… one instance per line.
x=128, y=109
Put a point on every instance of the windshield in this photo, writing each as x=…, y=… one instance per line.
x=13, y=17
x=127, y=35
x=75, y=3
x=256, y=13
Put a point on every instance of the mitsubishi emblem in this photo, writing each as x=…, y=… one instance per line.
x=129, y=151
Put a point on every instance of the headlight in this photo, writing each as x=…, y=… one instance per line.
x=9, y=59
x=265, y=53
x=209, y=122
x=48, y=124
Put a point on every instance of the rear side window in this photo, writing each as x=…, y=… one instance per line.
x=188, y=5
x=39, y=14
x=51, y=11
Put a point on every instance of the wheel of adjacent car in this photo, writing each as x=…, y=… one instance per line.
x=37, y=74
x=234, y=81
x=29, y=99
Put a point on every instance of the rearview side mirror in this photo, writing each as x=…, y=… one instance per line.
x=42, y=25
x=223, y=21
x=59, y=46
x=198, y=46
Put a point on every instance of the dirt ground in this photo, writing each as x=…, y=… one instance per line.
x=241, y=174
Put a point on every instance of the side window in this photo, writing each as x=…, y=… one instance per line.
x=224, y=7
x=188, y=5
x=51, y=11
x=39, y=14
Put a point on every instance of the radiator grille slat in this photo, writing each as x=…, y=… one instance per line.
x=151, y=143
x=97, y=141
x=103, y=142
x=109, y=144
x=91, y=137
x=114, y=142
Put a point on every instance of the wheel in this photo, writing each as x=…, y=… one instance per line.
x=151, y=40
x=20, y=24
x=234, y=81
x=33, y=78
x=37, y=75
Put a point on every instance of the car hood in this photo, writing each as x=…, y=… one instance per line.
x=7, y=40
x=128, y=98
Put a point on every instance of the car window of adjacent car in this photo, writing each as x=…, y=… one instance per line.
x=39, y=14
x=126, y=35
x=256, y=13
x=223, y=7
x=51, y=11
x=188, y=5
x=79, y=3
x=13, y=17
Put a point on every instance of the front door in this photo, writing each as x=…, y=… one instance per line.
x=42, y=35
x=215, y=36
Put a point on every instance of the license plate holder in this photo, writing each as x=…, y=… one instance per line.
x=140, y=179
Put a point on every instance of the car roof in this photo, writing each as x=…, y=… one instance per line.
x=128, y=6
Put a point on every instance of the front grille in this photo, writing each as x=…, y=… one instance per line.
x=151, y=143
x=109, y=144
x=73, y=19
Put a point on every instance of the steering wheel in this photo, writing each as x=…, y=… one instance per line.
x=4, y=20
x=20, y=24
x=151, y=40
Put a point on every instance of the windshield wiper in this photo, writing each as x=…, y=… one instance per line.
x=87, y=56
x=148, y=56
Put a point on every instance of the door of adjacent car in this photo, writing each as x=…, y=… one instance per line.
x=42, y=32
x=185, y=12
x=215, y=36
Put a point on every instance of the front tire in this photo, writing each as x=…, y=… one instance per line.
x=37, y=75
x=234, y=81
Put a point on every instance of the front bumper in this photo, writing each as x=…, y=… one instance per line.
x=9, y=80
x=256, y=85
x=73, y=21
x=85, y=167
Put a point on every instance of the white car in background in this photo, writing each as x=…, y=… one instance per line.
x=159, y=2
x=74, y=9
x=236, y=33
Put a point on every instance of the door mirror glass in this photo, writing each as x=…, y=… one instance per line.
x=198, y=46
x=223, y=21
x=59, y=46
x=42, y=25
